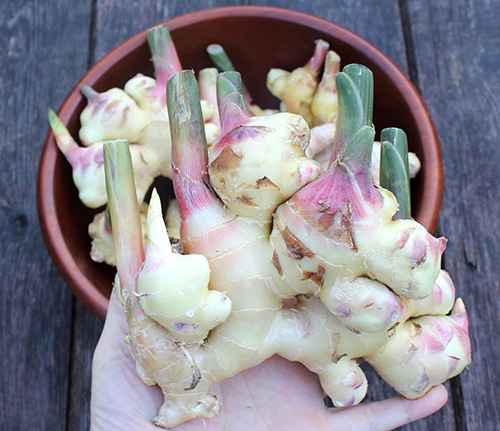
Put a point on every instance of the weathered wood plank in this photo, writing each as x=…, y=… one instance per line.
x=457, y=56
x=87, y=328
x=39, y=65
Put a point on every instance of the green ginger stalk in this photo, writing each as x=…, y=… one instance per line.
x=395, y=170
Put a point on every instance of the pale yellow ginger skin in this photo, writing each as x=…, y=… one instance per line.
x=368, y=248
x=320, y=144
x=351, y=274
x=140, y=88
x=258, y=326
x=263, y=169
x=213, y=134
x=123, y=114
x=89, y=179
x=88, y=167
x=102, y=249
x=414, y=371
x=147, y=135
x=161, y=358
x=296, y=89
x=257, y=110
x=439, y=302
x=324, y=104
x=363, y=310
x=173, y=288
x=414, y=164
x=107, y=114
x=407, y=276
x=112, y=115
x=87, y=164
x=156, y=152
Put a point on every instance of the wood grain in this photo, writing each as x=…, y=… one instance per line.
x=450, y=49
x=457, y=57
x=39, y=66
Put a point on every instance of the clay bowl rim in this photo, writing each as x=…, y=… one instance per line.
x=51, y=228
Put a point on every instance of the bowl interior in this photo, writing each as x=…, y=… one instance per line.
x=274, y=43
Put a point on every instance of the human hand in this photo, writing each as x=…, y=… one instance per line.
x=277, y=395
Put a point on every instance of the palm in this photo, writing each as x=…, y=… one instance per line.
x=277, y=395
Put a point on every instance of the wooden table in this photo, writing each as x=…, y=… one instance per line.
x=450, y=50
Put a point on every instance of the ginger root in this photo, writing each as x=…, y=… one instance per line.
x=358, y=284
x=296, y=89
x=324, y=102
x=259, y=161
x=170, y=291
x=138, y=113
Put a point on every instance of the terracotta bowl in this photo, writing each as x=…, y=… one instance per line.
x=63, y=217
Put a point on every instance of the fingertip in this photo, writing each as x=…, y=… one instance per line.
x=441, y=393
x=430, y=403
x=392, y=413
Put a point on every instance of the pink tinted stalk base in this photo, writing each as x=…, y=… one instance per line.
x=78, y=157
x=189, y=148
x=165, y=59
x=233, y=109
x=316, y=61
